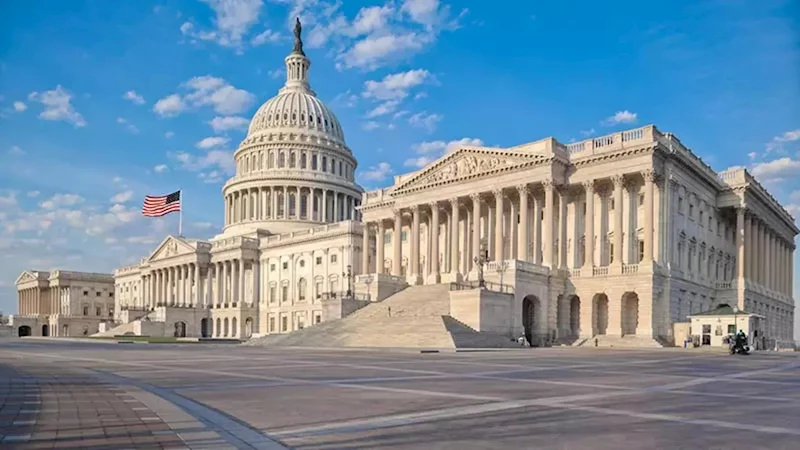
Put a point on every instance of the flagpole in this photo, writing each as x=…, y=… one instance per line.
x=180, y=214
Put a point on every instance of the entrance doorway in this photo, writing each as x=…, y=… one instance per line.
x=575, y=315
x=24, y=331
x=45, y=330
x=530, y=305
x=630, y=313
x=600, y=314
x=180, y=329
x=204, y=331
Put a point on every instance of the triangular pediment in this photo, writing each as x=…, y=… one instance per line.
x=170, y=247
x=468, y=163
x=26, y=276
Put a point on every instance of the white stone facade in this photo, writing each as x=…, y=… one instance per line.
x=668, y=236
x=62, y=303
x=667, y=233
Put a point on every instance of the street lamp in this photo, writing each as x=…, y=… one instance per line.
x=349, y=277
x=480, y=260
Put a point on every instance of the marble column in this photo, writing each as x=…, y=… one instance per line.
x=380, y=247
x=588, y=227
x=434, y=238
x=455, y=208
x=476, y=228
x=242, y=286
x=749, y=246
x=523, y=235
x=498, y=224
x=415, y=232
x=619, y=181
x=563, y=201
x=397, y=253
x=548, y=243
x=741, y=231
x=219, y=273
x=364, y=248
x=649, y=179
x=197, y=291
x=537, y=230
x=256, y=269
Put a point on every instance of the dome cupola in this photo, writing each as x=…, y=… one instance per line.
x=294, y=169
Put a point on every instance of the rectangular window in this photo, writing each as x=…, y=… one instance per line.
x=272, y=267
x=318, y=289
x=284, y=323
x=641, y=199
x=680, y=205
x=317, y=318
x=85, y=292
x=271, y=324
x=691, y=211
x=319, y=260
x=285, y=265
x=85, y=310
x=272, y=296
x=333, y=258
x=706, y=329
x=403, y=236
x=110, y=312
x=701, y=219
x=387, y=238
x=731, y=328
x=641, y=251
x=284, y=293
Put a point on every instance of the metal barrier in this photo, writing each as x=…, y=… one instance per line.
x=489, y=286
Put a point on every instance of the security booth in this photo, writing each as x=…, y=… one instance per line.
x=716, y=327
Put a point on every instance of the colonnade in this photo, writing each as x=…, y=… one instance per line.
x=767, y=256
x=217, y=284
x=516, y=225
x=289, y=203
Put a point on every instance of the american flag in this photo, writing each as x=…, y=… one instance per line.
x=157, y=206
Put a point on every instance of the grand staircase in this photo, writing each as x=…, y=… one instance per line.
x=416, y=317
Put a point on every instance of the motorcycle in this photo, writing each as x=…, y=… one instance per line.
x=740, y=348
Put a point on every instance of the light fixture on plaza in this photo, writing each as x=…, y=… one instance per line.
x=480, y=260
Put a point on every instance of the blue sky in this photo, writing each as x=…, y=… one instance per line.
x=103, y=102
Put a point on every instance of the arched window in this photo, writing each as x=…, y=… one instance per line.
x=271, y=160
x=218, y=328
x=303, y=161
x=341, y=171
x=292, y=204
x=281, y=160
x=292, y=160
x=324, y=163
x=280, y=205
x=333, y=166
x=313, y=162
x=234, y=330
x=304, y=206
x=301, y=289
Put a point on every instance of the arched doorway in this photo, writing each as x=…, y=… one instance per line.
x=600, y=314
x=630, y=313
x=530, y=306
x=218, y=328
x=180, y=329
x=248, y=327
x=226, y=324
x=24, y=331
x=65, y=330
x=45, y=330
x=234, y=328
x=204, y=325
x=575, y=315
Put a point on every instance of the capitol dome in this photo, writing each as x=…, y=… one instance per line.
x=294, y=169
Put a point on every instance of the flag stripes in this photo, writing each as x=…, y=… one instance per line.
x=157, y=206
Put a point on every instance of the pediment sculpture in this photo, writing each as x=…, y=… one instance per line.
x=466, y=166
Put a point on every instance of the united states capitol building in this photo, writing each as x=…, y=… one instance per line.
x=615, y=237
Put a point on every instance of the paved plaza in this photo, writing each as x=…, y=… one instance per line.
x=98, y=395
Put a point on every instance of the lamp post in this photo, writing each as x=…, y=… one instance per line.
x=349, y=277
x=480, y=260
x=368, y=281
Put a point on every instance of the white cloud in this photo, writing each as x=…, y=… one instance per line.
x=169, y=134
x=371, y=125
x=19, y=106
x=169, y=106
x=160, y=168
x=395, y=86
x=425, y=120
x=16, y=150
x=132, y=128
x=206, y=91
x=777, y=142
x=430, y=151
x=776, y=170
x=620, y=117
x=61, y=200
x=214, y=160
x=9, y=199
x=57, y=106
x=276, y=73
x=377, y=172
x=375, y=51
x=233, y=20
x=384, y=108
x=346, y=99
x=211, y=142
x=134, y=97
x=587, y=133
x=33, y=194
x=752, y=155
x=267, y=36
x=122, y=197
x=220, y=124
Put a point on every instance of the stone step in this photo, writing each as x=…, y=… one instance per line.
x=629, y=341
